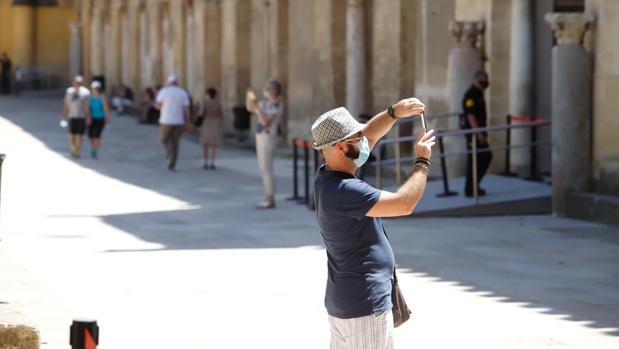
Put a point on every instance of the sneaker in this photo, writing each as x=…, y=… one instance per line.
x=265, y=205
x=93, y=153
x=206, y=166
x=213, y=167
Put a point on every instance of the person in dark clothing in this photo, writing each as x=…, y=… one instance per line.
x=5, y=79
x=474, y=116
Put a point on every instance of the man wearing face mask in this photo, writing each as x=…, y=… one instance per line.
x=474, y=115
x=360, y=259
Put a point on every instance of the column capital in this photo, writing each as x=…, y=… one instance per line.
x=569, y=28
x=467, y=33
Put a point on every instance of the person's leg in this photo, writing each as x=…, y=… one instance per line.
x=368, y=332
x=213, y=154
x=264, y=162
x=205, y=146
x=468, y=182
x=164, y=137
x=483, y=162
x=176, y=133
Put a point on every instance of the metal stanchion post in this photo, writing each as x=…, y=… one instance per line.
x=398, y=168
x=533, y=165
x=474, y=150
x=310, y=203
x=446, y=192
x=508, y=142
x=295, y=171
x=305, y=199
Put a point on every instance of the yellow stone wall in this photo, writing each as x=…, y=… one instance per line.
x=37, y=35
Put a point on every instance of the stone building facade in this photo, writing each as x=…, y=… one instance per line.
x=367, y=54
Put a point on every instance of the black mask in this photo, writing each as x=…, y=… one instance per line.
x=484, y=84
x=352, y=152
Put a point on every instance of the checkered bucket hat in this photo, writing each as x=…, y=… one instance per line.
x=333, y=126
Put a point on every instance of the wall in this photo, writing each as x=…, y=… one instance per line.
x=605, y=95
x=44, y=41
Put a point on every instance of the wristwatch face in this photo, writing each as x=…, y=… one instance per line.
x=391, y=112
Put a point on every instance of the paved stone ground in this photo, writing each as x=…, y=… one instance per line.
x=182, y=260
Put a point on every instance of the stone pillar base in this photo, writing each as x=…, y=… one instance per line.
x=19, y=337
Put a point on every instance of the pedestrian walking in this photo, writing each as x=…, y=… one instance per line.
x=361, y=263
x=211, y=129
x=269, y=112
x=98, y=117
x=173, y=102
x=474, y=116
x=5, y=73
x=75, y=100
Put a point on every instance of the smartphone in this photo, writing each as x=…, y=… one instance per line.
x=424, y=123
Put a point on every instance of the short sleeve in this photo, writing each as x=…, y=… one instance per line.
x=468, y=104
x=159, y=98
x=186, y=100
x=354, y=198
x=67, y=94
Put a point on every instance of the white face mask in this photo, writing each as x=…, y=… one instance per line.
x=266, y=94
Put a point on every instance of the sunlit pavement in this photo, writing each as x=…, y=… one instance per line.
x=183, y=260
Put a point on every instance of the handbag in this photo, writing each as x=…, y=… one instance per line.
x=400, y=310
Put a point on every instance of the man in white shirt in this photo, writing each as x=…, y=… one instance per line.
x=75, y=110
x=173, y=102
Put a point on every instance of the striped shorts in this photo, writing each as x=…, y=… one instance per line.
x=367, y=332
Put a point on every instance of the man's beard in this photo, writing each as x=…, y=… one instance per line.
x=352, y=152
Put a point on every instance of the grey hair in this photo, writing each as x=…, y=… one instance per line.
x=276, y=85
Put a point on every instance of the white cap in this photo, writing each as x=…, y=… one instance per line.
x=95, y=84
x=172, y=79
x=78, y=79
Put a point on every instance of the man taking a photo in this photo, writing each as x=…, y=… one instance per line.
x=360, y=259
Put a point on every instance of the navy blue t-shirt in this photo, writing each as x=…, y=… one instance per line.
x=360, y=258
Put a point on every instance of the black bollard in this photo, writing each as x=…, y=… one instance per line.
x=295, y=171
x=84, y=334
x=508, y=142
x=305, y=199
x=446, y=192
x=533, y=176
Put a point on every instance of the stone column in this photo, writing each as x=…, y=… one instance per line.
x=571, y=108
x=179, y=37
x=85, y=37
x=199, y=43
x=155, y=41
x=212, y=56
x=116, y=44
x=75, y=55
x=521, y=78
x=133, y=36
x=229, y=95
x=355, y=58
x=386, y=53
x=23, y=17
x=259, y=44
x=97, y=39
x=324, y=97
x=463, y=61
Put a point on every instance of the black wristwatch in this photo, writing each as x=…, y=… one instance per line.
x=391, y=112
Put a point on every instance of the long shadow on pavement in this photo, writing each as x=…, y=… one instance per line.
x=535, y=261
